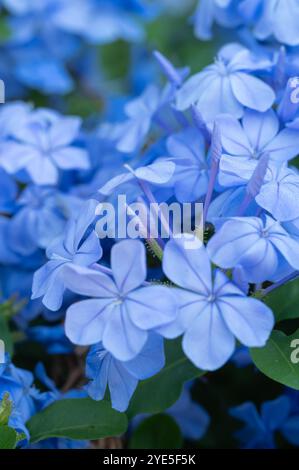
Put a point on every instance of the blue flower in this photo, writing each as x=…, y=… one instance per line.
x=278, y=18
x=244, y=144
x=16, y=283
x=12, y=116
x=122, y=377
x=241, y=358
x=130, y=134
x=122, y=310
x=42, y=72
x=263, y=248
x=260, y=428
x=191, y=417
x=103, y=21
x=227, y=86
x=213, y=310
x=52, y=337
x=8, y=192
x=279, y=194
x=187, y=152
x=26, y=399
x=39, y=220
x=268, y=19
x=72, y=248
x=38, y=48
x=224, y=12
x=42, y=145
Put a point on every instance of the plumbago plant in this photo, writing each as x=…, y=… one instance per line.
x=123, y=329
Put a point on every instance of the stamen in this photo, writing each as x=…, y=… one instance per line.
x=168, y=69
x=255, y=183
x=216, y=151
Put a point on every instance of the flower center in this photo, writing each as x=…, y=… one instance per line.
x=255, y=155
x=264, y=233
x=211, y=298
x=222, y=68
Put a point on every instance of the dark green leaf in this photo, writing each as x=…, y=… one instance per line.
x=8, y=438
x=77, y=419
x=158, y=393
x=157, y=432
x=275, y=361
x=284, y=301
x=5, y=334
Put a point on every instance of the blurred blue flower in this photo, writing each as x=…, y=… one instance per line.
x=224, y=12
x=260, y=429
x=130, y=134
x=278, y=19
x=104, y=21
x=26, y=399
x=241, y=357
x=8, y=192
x=191, y=417
x=52, y=337
x=38, y=221
x=42, y=145
x=268, y=19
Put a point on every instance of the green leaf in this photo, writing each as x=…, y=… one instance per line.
x=5, y=334
x=5, y=31
x=158, y=393
x=8, y=438
x=157, y=432
x=5, y=409
x=80, y=418
x=284, y=301
x=274, y=360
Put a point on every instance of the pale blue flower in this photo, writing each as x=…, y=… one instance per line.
x=262, y=248
x=74, y=247
x=213, y=310
x=122, y=378
x=224, y=12
x=42, y=146
x=244, y=143
x=121, y=311
x=227, y=86
x=26, y=399
x=130, y=134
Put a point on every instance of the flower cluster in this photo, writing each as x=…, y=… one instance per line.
x=50, y=40
x=264, y=18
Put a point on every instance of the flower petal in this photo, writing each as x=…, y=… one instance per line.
x=151, y=307
x=208, y=342
x=128, y=264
